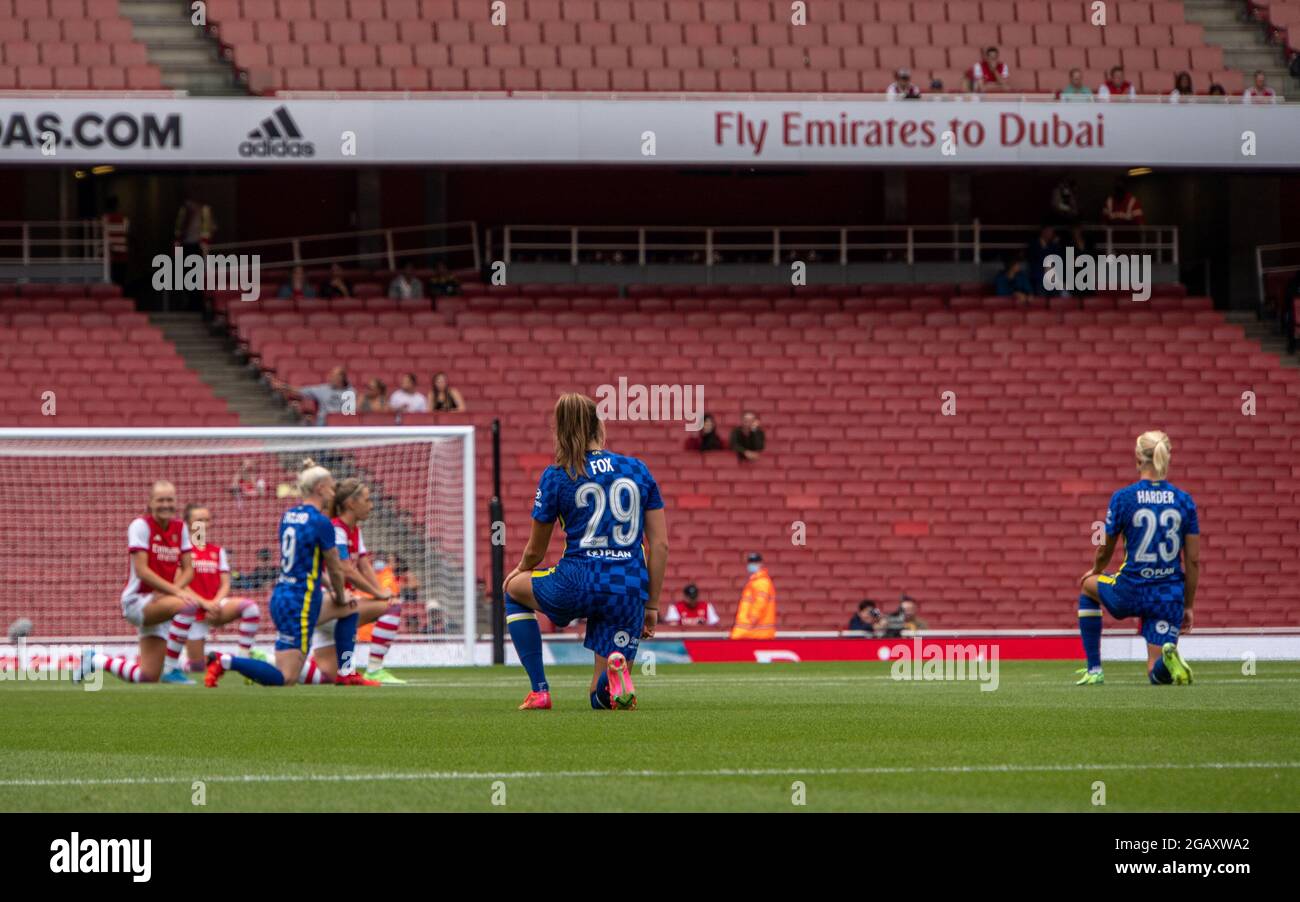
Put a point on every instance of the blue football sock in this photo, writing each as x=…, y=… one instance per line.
x=345, y=641
x=1159, y=673
x=1090, y=630
x=526, y=635
x=600, y=698
x=262, y=672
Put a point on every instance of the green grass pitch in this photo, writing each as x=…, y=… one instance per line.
x=706, y=738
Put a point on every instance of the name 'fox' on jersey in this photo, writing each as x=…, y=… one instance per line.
x=603, y=513
x=1154, y=517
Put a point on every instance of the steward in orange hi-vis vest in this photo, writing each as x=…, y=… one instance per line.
x=756, y=616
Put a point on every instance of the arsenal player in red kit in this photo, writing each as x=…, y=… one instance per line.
x=157, y=598
x=212, y=582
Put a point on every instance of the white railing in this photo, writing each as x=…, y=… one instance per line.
x=1274, y=258
x=455, y=241
x=843, y=245
x=61, y=241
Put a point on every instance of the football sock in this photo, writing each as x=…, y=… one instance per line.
x=1159, y=673
x=177, y=633
x=345, y=642
x=311, y=674
x=600, y=698
x=122, y=668
x=258, y=671
x=250, y=616
x=526, y=634
x=383, y=634
x=1090, y=630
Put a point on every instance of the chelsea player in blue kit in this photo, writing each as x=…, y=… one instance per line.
x=307, y=544
x=1158, y=522
x=606, y=503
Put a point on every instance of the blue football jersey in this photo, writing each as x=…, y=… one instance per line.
x=1155, y=517
x=305, y=535
x=602, y=513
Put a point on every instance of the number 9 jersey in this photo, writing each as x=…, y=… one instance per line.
x=306, y=535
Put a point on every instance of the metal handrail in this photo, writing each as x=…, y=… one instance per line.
x=390, y=254
x=840, y=242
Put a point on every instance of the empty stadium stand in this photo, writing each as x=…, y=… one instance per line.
x=849, y=384
x=71, y=45
x=104, y=362
x=700, y=45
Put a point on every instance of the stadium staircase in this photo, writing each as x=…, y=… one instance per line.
x=188, y=58
x=1266, y=333
x=213, y=358
x=1244, y=41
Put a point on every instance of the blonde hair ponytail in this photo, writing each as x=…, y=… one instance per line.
x=1153, y=450
x=311, y=476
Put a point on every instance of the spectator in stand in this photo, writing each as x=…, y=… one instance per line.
x=375, y=398
x=193, y=235
x=408, y=398
x=1117, y=85
x=1216, y=90
x=747, y=439
x=336, y=286
x=297, y=286
x=690, y=611
x=117, y=228
x=1121, y=207
x=708, y=439
x=406, y=284
x=902, y=86
x=1076, y=89
x=260, y=578
x=331, y=395
x=1044, y=246
x=905, y=621
x=444, y=398
x=444, y=282
x=1259, y=90
x=1182, y=87
x=1065, y=202
x=989, y=73
x=246, y=483
x=866, y=618
x=756, y=614
x=1013, y=281
x=194, y=227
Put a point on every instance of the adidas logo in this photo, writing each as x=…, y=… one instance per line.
x=277, y=136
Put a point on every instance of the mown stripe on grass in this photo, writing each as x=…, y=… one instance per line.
x=432, y=776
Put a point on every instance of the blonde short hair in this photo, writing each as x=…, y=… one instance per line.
x=311, y=476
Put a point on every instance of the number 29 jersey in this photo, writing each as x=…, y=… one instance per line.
x=602, y=513
x=1155, y=518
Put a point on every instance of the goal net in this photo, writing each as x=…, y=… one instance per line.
x=70, y=494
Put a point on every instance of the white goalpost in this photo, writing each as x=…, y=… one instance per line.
x=67, y=497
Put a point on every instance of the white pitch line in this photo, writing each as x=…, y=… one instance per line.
x=444, y=776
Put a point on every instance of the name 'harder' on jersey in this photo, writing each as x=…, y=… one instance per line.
x=1155, y=518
